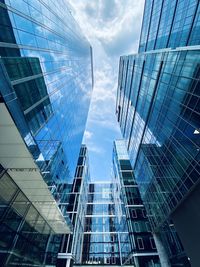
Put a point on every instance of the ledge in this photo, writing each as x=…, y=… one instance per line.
x=19, y=164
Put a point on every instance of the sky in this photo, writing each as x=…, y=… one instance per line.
x=113, y=29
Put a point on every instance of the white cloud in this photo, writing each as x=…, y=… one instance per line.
x=116, y=23
x=104, y=87
x=96, y=149
x=87, y=136
x=112, y=27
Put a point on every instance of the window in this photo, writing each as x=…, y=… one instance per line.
x=91, y=248
x=134, y=213
x=106, y=238
x=144, y=213
x=112, y=238
x=140, y=243
x=113, y=260
x=137, y=227
x=153, y=245
x=79, y=172
x=148, y=227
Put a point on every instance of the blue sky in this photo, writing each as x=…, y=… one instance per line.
x=113, y=29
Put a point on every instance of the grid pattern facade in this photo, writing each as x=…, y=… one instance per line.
x=143, y=249
x=26, y=238
x=102, y=238
x=47, y=62
x=24, y=234
x=75, y=206
x=46, y=75
x=160, y=119
x=46, y=82
x=170, y=23
x=121, y=225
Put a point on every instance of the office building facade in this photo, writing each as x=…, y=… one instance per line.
x=46, y=82
x=101, y=238
x=101, y=233
x=143, y=249
x=170, y=23
x=109, y=236
x=71, y=245
x=158, y=112
x=159, y=121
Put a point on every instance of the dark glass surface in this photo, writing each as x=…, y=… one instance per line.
x=135, y=220
x=163, y=136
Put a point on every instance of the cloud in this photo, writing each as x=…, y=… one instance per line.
x=115, y=23
x=90, y=9
x=102, y=109
x=104, y=87
x=109, y=9
x=96, y=149
x=112, y=27
x=87, y=136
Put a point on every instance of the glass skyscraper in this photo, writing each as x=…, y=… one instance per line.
x=143, y=249
x=170, y=23
x=71, y=245
x=158, y=112
x=160, y=123
x=46, y=80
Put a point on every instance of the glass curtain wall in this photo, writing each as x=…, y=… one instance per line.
x=101, y=239
x=27, y=239
x=46, y=82
x=158, y=112
x=159, y=119
x=24, y=234
x=143, y=249
x=70, y=251
x=170, y=23
x=46, y=63
x=161, y=123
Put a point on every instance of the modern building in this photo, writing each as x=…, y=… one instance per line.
x=109, y=236
x=170, y=23
x=46, y=81
x=159, y=121
x=101, y=238
x=102, y=232
x=143, y=249
x=71, y=246
x=158, y=112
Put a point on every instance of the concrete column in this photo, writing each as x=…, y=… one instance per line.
x=68, y=262
x=164, y=259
